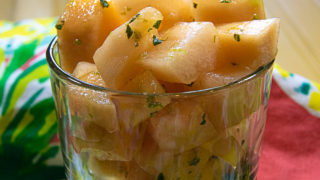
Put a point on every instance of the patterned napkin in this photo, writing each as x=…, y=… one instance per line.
x=29, y=147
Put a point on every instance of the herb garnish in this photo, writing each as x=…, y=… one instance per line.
x=157, y=24
x=151, y=100
x=129, y=31
x=236, y=37
x=203, y=122
x=59, y=26
x=225, y=1
x=194, y=161
x=160, y=176
x=104, y=3
x=214, y=38
x=195, y=5
x=77, y=41
x=156, y=41
x=134, y=18
x=255, y=16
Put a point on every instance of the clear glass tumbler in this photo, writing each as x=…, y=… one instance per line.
x=208, y=134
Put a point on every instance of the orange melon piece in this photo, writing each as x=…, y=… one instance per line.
x=117, y=170
x=247, y=45
x=187, y=50
x=82, y=29
x=90, y=105
x=144, y=83
x=181, y=126
x=226, y=148
x=172, y=11
x=116, y=58
x=227, y=11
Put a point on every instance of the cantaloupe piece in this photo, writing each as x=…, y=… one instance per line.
x=134, y=110
x=226, y=148
x=172, y=11
x=227, y=11
x=92, y=105
x=181, y=126
x=144, y=83
x=117, y=170
x=249, y=44
x=116, y=58
x=82, y=29
x=187, y=50
x=120, y=145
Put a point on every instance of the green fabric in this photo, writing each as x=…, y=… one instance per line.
x=29, y=148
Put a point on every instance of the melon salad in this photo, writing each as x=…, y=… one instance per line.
x=156, y=47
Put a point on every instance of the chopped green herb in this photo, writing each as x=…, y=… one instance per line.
x=134, y=18
x=104, y=3
x=59, y=26
x=129, y=31
x=77, y=41
x=203, y=122
x=150, y=29
x=242, y=142
x=128, y=9
x=136, y=44
x=225, y=1
x=255, y=16
x=151, y=101
x=234, y=64
x=236, y=37
x=195, y=5
x=194, y=161
x=160, y=177
x=213, y=157
x=214, y=38
x=157, y=24
x=156, y=41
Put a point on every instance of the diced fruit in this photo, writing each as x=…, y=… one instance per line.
x=173, y=11
x=144, y=83
x=227, y=11
x=225, y=148
x=91, y=105
x=187, y=50
x=134, y=110
x=216, y=79
x=181, y=126
x=84, y=68
x=121, y=145
x=116, y=58
x=246, y=45
x=187, y=165
x=117, y=169
x=82, y=29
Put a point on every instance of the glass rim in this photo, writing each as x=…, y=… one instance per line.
x=70, y=78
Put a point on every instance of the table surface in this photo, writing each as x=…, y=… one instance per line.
x=299, y=45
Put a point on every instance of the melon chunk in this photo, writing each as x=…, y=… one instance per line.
x=173, y=11
x=187, y=50
x=82, y=29
x=90, y=105
x=144, y=83
x=181, y=126
x=116, y=58
x=249, y=44
x=227, y=11
x=116, y=170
